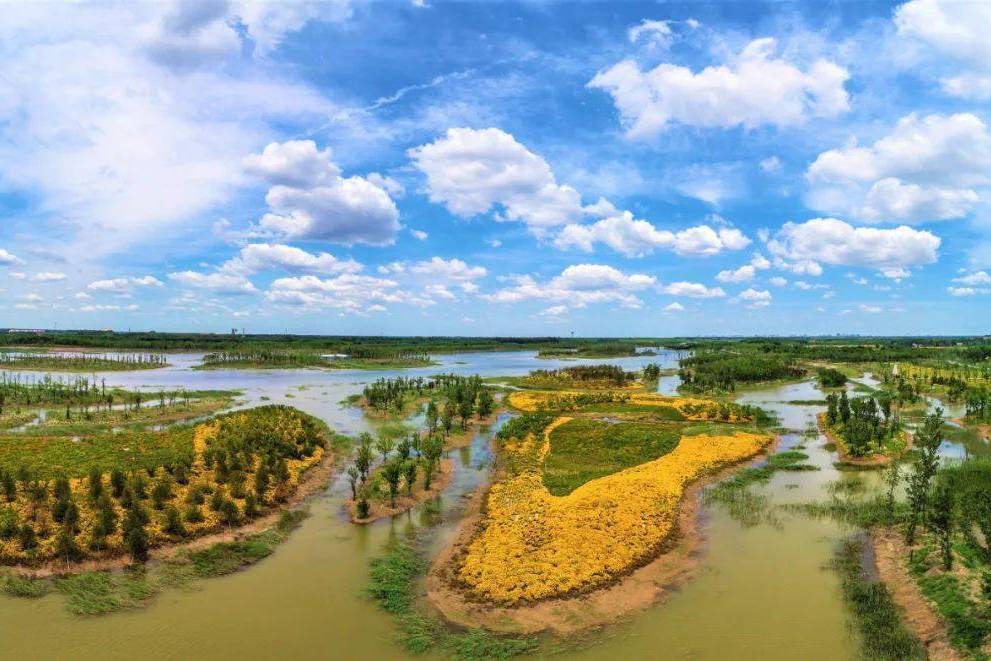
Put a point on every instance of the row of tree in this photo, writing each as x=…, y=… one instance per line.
x=865, y=423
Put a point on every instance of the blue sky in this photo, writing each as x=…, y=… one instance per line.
x=497, y=169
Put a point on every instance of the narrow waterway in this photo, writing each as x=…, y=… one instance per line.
x=763, y=589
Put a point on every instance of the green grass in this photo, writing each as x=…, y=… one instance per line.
x=49, y=456
x=882, y=632
x=741, y=502
x=99, y=592
x=393, y=580
x=967, y=620
x=584, y=449
x=15, y=585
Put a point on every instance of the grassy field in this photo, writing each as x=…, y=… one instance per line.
x=48, y=456
x=585, y=449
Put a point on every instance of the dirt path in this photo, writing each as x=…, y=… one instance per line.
x=920, y=617
x=677, y=563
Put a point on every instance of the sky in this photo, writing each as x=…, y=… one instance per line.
x=533, y=168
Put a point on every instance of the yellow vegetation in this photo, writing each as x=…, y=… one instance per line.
x=570, y=400
x=533, y=545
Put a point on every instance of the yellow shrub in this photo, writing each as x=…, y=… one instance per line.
x=533, y=545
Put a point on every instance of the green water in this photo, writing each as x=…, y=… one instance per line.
x=762, y=590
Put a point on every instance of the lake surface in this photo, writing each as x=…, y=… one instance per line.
x=763, y=590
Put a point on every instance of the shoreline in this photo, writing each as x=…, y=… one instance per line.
x=675, y=562
x=889, y=551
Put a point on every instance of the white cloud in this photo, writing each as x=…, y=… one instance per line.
x=131, y=118
x=746, y=272
x=770, y=164
x=971, y=86
x=420, y=235
x=778, y=281
x=636, y=238
x=48, y=276
x=693, y=290
x=123, y=285
x=108, y=308
x=968, y=291
x=756, y=298
x=870, y=309
x=975, y=278
x=8, y=259
x=450, y=270
x=554, y=311
x=657, y=34
x=309, y=199
x=578, y=285
x=957, y=29
x=834, y=242
x=895, y=273
x=257, y=257
x=472, y=171
x=752, y=89
x=220, y=283
x=925, y=170
x=674, y=307
x=347, y=291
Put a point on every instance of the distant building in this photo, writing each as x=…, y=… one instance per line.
x=32, y=331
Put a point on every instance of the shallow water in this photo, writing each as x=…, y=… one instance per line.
x=762, y=591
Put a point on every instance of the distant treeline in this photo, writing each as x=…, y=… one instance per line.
x=349, y=344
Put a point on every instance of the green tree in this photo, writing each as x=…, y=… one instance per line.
x=392, y=472
x=173, y=523
x=485, y=404
x=941, y=522
x=66, y=547
x=95, y=483
x=117, y=483
x=927, y=440
x=135, y=535
x=409, y=474
x=432, y=416
x=385, y=445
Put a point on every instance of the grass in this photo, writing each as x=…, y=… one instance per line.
x=79, y=362
x=584, y=449
x=967, y=621
x=49, y=456
x=741, y=502
x=883, y=634
x=94, y=593
x=393, y=580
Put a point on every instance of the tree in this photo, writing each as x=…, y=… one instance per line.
x=161, y=492
x=353, y=476
x=117, y=482
x=95, y=483
x=27, y=538
x=941, y=521
x=9, y=486
x=363, y=458
x=447, y=417
x=844, y=408
x=892, y=474
x=392, y=472
x=432, y=451
x=465, y=408
x=432, y=416
x=229, y=513
x=261, y=483
x=409, y=475
x=385, y=445
x=173, y=522
x=66, y=547
x=135, y=536
x=927, y=440
x=250, y=506
x=832, y=414
x=485, y=404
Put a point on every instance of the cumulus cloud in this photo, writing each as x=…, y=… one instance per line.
x=636, y=238
x=309, y=199
x=674, y=307
x=975, y=278
x=257, y=257
x=778, y=281
x=219, y=283
x=926, y=169
x=957, y=31
x=834, y=242
x=473, y=171
x=770, y=164
x=8, y=259
x=752, y=89
x=968, y=291
x=755, y=298
x=48, y=276
x=353, y=292
x=554, y=312
x=123, y=285
x=128, y=121
x=746, y=272
x=657, y=34
x=578, y=285
x=693, y=290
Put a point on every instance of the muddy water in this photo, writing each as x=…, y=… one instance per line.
x=304, y=602
x=762, y=590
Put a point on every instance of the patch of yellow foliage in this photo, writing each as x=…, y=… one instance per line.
x=533, y=545
x=569, y=400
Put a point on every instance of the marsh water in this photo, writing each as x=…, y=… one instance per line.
x=763, y=589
